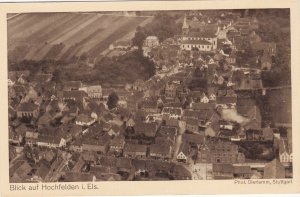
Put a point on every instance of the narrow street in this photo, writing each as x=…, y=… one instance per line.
x=178, y=141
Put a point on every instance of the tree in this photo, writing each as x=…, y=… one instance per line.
x=112, y=100
x=138, y=38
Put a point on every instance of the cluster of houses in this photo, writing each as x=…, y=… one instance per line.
x=160, y=126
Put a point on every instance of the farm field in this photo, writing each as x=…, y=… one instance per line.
x=63, y=36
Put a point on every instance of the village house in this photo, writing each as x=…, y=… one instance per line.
x=14, y=138
x=202, y=106
x=231, y=59
x=160, y=151
x=76, y=146
x=169, y=132
x=254, y=115
x=274, y=170
x=225, y=152
x=171, y=113
x=203, y=155
x=138, y=85
x=123, y=96
x=106, y=92
x=146, y=130
x=94, y=91
x=151, y=41
x=44, y=120
x=226, y=101
x=203, y=116
x=266, y=47
x=51, y=141
x=31, y=138
x=203, y=40
x=242, y=172
x=268, y=134
x=212, y=93
x=114, y=130
x=21, y=174
x=150, y=106
x=285, y=152
x=28, y=110
x=135, y=151
x=192, y=125
x=222, y=171
x=204, y=98
x=180, y=172
x=194, y=140
x=201, y=45
x=170, y=90
x=96, y=144
x=116, y=145
x=183, y=153
x=18, y=76
x=75, y=95
x=120, y=45
x=84, y=120
x=72, y=85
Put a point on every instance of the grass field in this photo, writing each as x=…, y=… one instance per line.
x=62, y=36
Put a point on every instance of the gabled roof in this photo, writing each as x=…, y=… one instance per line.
x=101, y=141
x=78, y=94
x=184, y=148
x=45, y=119
x=172, y=111
x=78, y=176
x=274, y=170
x=199, y=114
x=200, y=42
x=241, y=170
x=118, y=141
x=268, y=132
x=223, y=168
x=163, y=149
x=27, y=107
x=84, y=118
x=226, y=99
x=207, y=33
x=192, y=121
x=72, y=84
x=167, y=131
x=149, y=104
x=283, y=147
x=203, y=106
x=148, y=129
x=193, y=138
x=263, y=45
x=135, y=148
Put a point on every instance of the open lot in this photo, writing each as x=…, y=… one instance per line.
x=62, y=36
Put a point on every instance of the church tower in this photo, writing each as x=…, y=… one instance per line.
x=185, y=27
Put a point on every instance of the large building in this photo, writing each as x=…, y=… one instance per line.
x=204, y=39
x=94, y=91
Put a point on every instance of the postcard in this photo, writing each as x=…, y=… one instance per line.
x=149, y=98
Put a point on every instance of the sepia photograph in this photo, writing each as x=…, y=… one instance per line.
x=149, y=95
